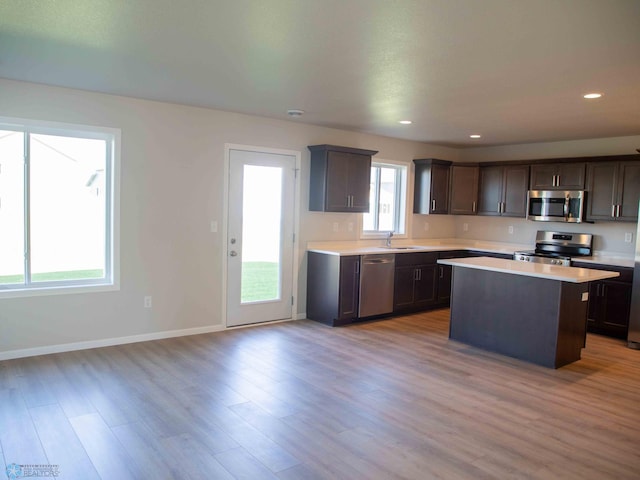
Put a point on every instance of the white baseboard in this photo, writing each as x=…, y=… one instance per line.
x=300, y=316
x=106, y=342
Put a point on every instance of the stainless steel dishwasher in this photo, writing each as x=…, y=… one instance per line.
x=376, y=284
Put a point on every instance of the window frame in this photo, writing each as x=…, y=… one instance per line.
x=111, y=280
x=401, y=221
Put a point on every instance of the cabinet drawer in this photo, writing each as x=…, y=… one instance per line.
x=454, y=254
x=418, y=258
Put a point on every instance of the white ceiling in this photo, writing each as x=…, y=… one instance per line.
x=512, y=70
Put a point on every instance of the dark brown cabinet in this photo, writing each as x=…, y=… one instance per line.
x=503, y=190
x=431, y=188
x=415, y=284
x=339, y=179
x=613, y=191
x=463, y=198
x=333, y=285
x=557, y=176
x=609, y=301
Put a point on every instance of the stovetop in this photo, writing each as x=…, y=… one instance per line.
x=557, y=248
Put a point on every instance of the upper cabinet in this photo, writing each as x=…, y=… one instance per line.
x=557, y=176
x=613, y=191
x=503, y=190
x=339, y=179
x=463, y=199
x=431, y=189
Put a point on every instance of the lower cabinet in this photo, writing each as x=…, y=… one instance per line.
x=333, y=285
x=416, y=283
x=610, y=302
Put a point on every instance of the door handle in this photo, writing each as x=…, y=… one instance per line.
x=233, y=253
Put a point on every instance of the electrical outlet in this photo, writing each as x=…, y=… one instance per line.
x=147, y=302
x=465, y=227
x=336, y=226
x=510, y=229
x=628, y=237
x=214, y=226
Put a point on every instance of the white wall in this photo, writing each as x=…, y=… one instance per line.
x=172, y=181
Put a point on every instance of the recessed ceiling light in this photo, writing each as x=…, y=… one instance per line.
x=475, y=135
x=294, y=112
x=405, y=122
x=592, y=95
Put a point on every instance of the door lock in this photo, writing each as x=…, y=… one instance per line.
x=233, y=253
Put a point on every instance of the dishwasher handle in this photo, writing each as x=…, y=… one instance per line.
x=378, y=259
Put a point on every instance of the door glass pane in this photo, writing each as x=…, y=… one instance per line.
x=68, y=208
x=261, y=227
x=11, y=207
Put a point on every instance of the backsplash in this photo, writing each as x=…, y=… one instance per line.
x=607, y=236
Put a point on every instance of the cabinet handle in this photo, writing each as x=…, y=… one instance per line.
x=613, y=211
x=441, y=272
x=415, y=274
x=499, y=207
x=618, y=211
x=433, y=205
x=473, y=207
x=356, y=267
x=597, y=289
x=604, y=289
x=419, y=274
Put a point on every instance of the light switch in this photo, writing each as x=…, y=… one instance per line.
x=214, y=226
x=628, y=237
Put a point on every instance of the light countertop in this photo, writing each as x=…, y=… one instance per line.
x=549, y=272
x=373, y=247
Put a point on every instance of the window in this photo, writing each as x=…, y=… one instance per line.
x=387, y=199
x=56, y=196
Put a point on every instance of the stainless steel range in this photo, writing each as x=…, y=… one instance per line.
x=557, y=248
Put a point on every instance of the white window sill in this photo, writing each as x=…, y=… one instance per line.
x=61, y=290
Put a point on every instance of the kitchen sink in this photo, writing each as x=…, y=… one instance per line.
x=410, y=247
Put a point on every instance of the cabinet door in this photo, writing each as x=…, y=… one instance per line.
x=516, y=184
x=348, y=181
x=464, y=190
x=337, y=199
x=570, y=176
x=617, y=302
x=444, y=283
x=543, y=177
x=490, y=190
x=557, y=176
x=425, y=285
x=403, y=287
x=596, y=306
x=628, y=190
x=601, y=187
x=349, y=287
x=359, y=182
x=439, y=189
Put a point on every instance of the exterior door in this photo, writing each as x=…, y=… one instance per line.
x=260, y=236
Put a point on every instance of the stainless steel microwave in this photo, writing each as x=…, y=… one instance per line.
x=555, y=205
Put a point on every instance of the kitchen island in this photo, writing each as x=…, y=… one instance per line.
x=532, y=312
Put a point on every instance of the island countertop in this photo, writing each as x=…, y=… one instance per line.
x=550, y=272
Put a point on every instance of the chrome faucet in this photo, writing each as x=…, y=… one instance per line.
x=389, y=235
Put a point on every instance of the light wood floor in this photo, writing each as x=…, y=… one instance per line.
x=299, y=400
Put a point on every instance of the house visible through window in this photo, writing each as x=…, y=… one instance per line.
x=387, y=199
x=56, y=223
